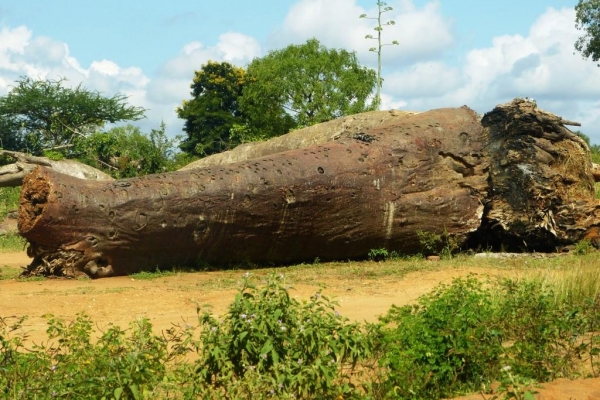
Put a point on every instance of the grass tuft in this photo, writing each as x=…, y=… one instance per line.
x=12, y=242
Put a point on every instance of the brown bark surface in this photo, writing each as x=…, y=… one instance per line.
x=517, y=179
x=302, y=138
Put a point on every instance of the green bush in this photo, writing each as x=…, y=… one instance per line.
x=70, y=366
x=540, y=330
x=378, y=254
x=464, y=336
x=269, y=342
x=443, y=344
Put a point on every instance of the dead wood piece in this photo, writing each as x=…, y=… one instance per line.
x=336, y=200
x=515, y=180
x=12, y=175
x=305, y=137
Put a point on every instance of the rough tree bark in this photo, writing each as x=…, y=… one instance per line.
x=516, y=178
x=302, y=138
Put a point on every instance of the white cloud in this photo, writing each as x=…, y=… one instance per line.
x=424, y=80
x=172, y=83
x=540, y=65
x=14, y=40
x=423, y=33
x=23, y=54
x=236, y=47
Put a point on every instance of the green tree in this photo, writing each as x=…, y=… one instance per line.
x=42, y=114
x=214, y=110
x=303, y=85
x=382, y=8
x=587, y=19
x=11, y=137
x=125, y=152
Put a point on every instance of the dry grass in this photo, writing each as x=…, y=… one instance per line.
x=575, y=279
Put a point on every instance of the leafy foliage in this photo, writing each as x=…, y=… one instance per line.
x=298, y=86
x=587, y=19
x=310, y=82
x=287, y=347
x=9, y=200
x=70, y=366
x=214, y=110
x=40, y=114
x=443, y=244
x=466, y=335
x=457, y=339
x=444, y=341
x=125, y=152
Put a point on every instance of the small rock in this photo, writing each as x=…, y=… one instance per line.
x=433, y=258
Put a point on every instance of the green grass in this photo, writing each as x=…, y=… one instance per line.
x=11, y=242
x=9, y=200
x=573, y=282
x=8, y=273
x=148, y=275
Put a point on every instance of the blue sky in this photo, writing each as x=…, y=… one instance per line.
x=452, y=52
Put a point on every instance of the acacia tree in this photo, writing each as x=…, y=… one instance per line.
x=381, y=8
x=213, y=113
x=309, y=83
x=587, y=19
x=44, y=114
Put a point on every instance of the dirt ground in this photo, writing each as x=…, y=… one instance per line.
x=173, y=300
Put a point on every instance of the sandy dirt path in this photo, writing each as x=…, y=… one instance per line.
x=173, y=299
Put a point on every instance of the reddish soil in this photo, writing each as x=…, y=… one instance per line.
x=173, y=299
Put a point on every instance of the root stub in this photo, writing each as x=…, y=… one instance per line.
x=34, y=196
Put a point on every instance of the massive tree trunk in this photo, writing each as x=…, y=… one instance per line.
x=302, y=138
x=517, y=178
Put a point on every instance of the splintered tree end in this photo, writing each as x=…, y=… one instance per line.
x=34, y=197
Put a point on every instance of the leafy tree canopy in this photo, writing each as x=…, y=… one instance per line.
x=214, y=110
x=587, y=19
x=298, y=86
x=310, y=82
x=42, y=114
x=125, y=152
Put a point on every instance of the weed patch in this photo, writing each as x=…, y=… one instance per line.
x=11, y=242
x=459, y=338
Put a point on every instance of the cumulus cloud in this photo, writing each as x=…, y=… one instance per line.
x=172, y=83
x=423, y=33
x=24, y=54
x=540, y=65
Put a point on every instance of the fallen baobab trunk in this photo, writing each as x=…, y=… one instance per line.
x=302, y=138
x=516, y=178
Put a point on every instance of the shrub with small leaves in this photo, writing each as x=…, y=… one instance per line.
x=442, y=344
x=269, y=342
x=117, y=366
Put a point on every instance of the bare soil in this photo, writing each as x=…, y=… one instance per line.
x=173, y=299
